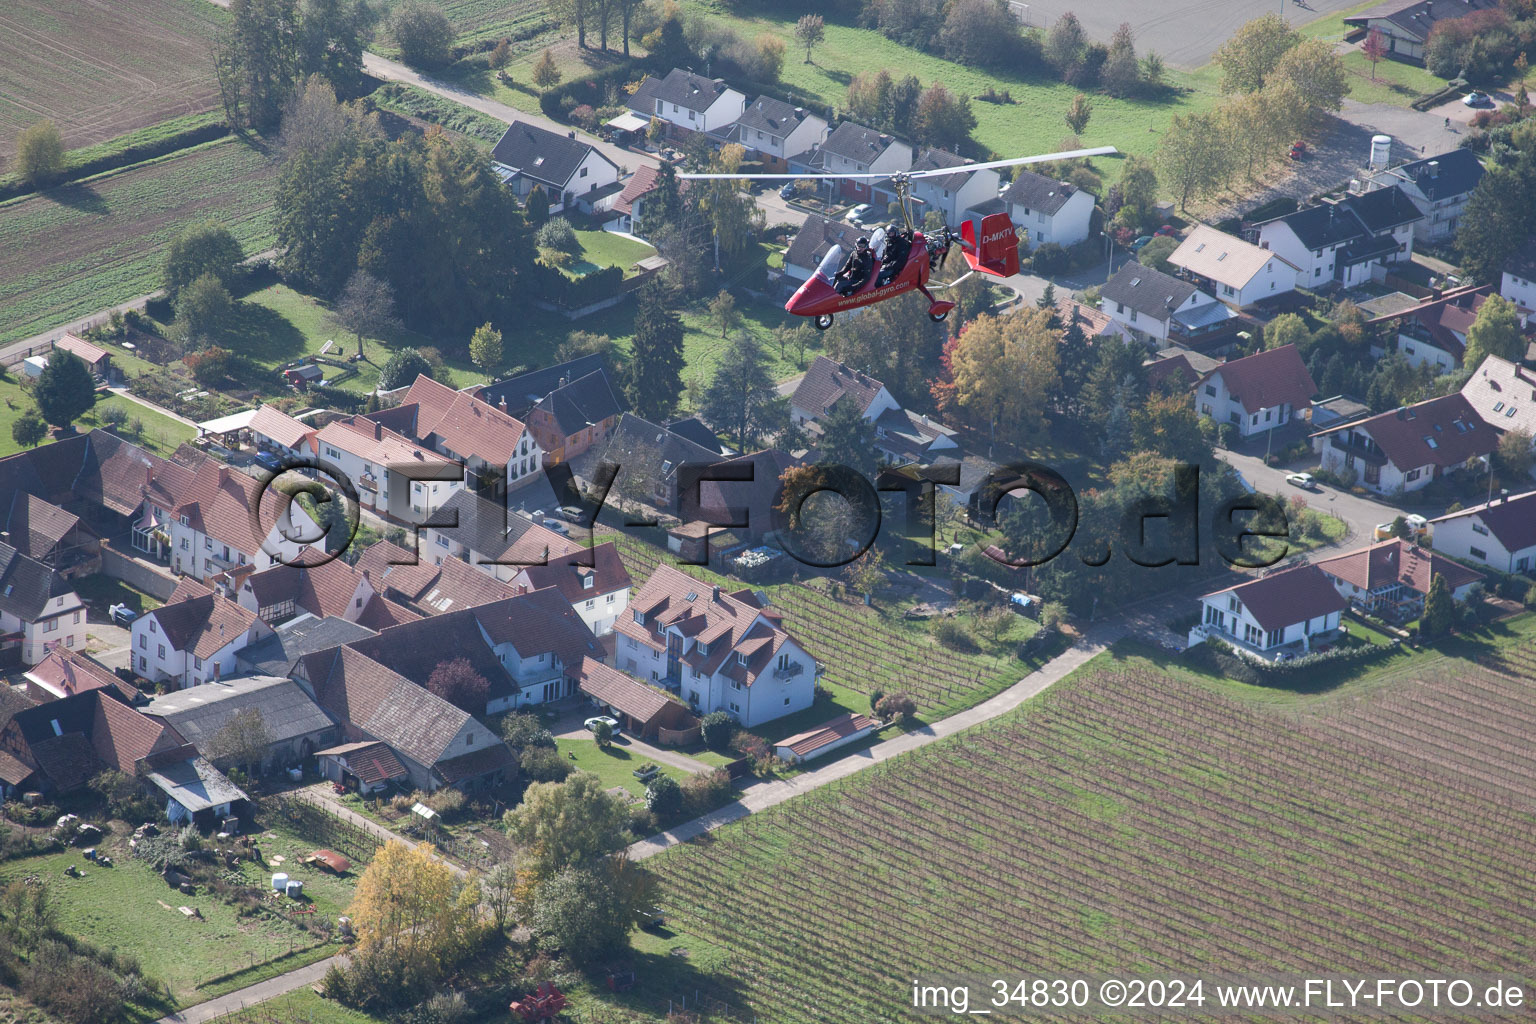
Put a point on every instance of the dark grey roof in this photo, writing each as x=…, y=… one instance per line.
x=1037, y=192
x=777, y=118
x=490, y=529
x=1456, y=173
x=199, y=712
x=27, y=585
x=275, y=655
x=933, y=159
x=195, y=784
x=1149, y=292
x=858, y=143
x=1363, y=250
x=684, y=88
x=1383, y=209
x=1417, y=17
x=582, y=403
x=693, y=429
x=523, y=391
x=1522, y=263
x=544, y=156
x=815, y=237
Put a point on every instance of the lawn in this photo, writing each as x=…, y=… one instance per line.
x=161, y=433
x=329, y=894
x=301, y=1006
x=614, y=766
x=601, y=249
x=1396, y=83
x=101, y=592
x=129, y=907
x=80, y=248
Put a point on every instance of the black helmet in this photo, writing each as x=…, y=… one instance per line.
x=862, y=243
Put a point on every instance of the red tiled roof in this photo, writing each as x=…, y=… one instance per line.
x=36, y=526
x=1285, y=598
x=383, y=703
x=535, y=622
x=122, y=737
x=200, y=622
x=69, y=672
x=372, y=762
x=462, y=424
x=215, y=499
x=1511, y=520
x=625, y=693
x=428, y=588
x=1266, y=379
x=1444, y=432
x=92, y=354
x=806, y=743
x=827, y=381
x=642, y=182
x=1397, y=561
x=373, y=442
x=568, y=573
x=280, y=427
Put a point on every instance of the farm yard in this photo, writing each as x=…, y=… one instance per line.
x=98, y=74
x=83, y=247
x=1131, y=819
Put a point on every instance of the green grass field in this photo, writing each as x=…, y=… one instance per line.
x=80, y=248
x=161, y=433
x=614, y=766
x=601, y=249
x=121, y=907
x=473, y=19
x=300, y=1007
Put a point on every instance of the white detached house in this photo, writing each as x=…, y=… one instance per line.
x=1047, y=210
x=1500, y=534
x=687, y=101
x=1258, y=392
x=1291, y=608
x=193, y=637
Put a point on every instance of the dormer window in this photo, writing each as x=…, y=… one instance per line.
x=741, y=657
x=703, y=647
x=640, y=616
x=588, y=581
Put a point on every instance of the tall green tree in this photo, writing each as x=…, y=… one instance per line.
x=1286, y=329
x=1316, y=73
x=256, y=61
x=423, y=33
x=847, y=438
x=485, y=348
x=1439, y=616
x=40, y=154
x=29, y=429
x=1495, y=332
x=810, y=30
x=1193, y=158
x=204, y=311
x=1501, y=212
x=331, y=38
x=587, y=912
x=202, y=248
x=64, y=390
x=566, y=824
x=1253, y=51
x=365, y=308
x=741, y=400
x=654, y=378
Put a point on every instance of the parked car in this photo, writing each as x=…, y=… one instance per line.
x=788, y=191
x=1477, y=98
x=569, y=512
x=1167, y=231
x=556, y=525
x=858, y=213
x=591, y=723
x=268, y=460
x=1298, y=150
x=1302, y=480
x=1417, y=527
x=121, y=614
x=1137, y=245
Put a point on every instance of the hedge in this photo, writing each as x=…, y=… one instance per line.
x=110, y=157
x=574, y=293
x=1220, y=657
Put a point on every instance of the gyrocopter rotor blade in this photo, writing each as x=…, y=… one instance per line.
x=1071, y=154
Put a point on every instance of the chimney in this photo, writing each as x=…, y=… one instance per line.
x=1434, y=168
x=570, y=135
x=502, y=405
x=562, y=382
x=223, y=475
x=717, y=593
x=378, y=431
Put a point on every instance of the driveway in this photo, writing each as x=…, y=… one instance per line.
x=1361, y=515
x=569, y=727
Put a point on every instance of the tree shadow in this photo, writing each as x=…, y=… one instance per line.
x=262, y=335
x=78, y=197
x=474, y=76
x=840, y=77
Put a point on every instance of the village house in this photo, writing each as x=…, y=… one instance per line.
x=1258, y=392
x=592, y=580
x=722, y=652
x=193, y=637
x=567, y=169
x=839, y=732
x=1286, y=611
x=1176, y=371
x=1500, y=534
x=810, y=246
x=629, y=204
x=65, y=743
x=956, y=197
x=827, y=382
x=854, y=149
x=903, y=436
x=318, y=586
x=641, y=709
x=1046, y=210
x=649, y=457
x=1504, y=395
x=574, y=416
x=197, y=514
x=292, y=725
x=1090, y=320
x=281, y=434
x=491, y=538
x=1403, y=450
x=1407, y=24
x=1392, y=578
x=521, y=392
x=772, y=131
x=1438, y=185
x=45, y=532
x=492, y=446
x=687, y=102
x=436, y=743
x=277, y=654
x=1345, y=241
x=1157, y=308
x=1435, y=331
x=741, y=490
x=64, y=673
x=1517, y=282
x=691, y=428
x=425, y=586
x=392, y=474
x=1238, y=273
x=39, y=609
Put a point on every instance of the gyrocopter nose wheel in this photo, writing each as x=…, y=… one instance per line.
x=823, y=321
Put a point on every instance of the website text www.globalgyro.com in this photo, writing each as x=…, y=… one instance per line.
x=1022, y=996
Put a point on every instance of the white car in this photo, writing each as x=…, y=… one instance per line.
x=591, y=723
x=1302, y=480
x=858, y=213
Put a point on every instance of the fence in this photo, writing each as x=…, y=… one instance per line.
x=325, y=828
x=11, y=360
x=678, y=737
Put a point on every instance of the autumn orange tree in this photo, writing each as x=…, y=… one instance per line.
x=413, y=909
x=1004, y=370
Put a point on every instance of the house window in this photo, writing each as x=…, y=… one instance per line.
x=77, y=618
x=583, y=173
x=610, y=599
x=639, y=616
x=1227, y=289
x=587, y=581
x=786, y=701
x=1479, y=529
x=1478, y=553
x=469, y=739
x=736, y=707
x=784, y=661
x=51, y=626
x=143, y=664
x=1413, y=474
x=152, y=625
x=197, y=662
x=442, y=541
x=332, y=452
x=143, y=642
x=162, y=651
x=1210, y=389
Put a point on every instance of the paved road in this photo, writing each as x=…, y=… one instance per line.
x=764, y=795
x=258, y=993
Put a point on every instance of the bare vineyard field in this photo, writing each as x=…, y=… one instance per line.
x=1131, y=821
x=83, y=247
x=102, y=68
x=865, y=648
x=483, y=19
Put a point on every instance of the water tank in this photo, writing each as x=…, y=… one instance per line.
x=295, y=889
x=1381, y=151
x=280, y=882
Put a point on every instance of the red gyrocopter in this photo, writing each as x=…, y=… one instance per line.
x=995, y=252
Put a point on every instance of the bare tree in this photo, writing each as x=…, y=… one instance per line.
x=366, y=306
x=243, y=741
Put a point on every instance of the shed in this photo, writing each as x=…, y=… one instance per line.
x=227, y=430
x=372, y=764
x=642, y=709
x=295, y=725
x=826, y=737
x=331, y=861
x=97, y=359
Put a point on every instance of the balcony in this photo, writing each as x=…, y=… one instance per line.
x=1369, y=454
x=789, y=671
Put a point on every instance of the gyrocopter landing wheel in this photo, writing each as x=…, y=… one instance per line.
x=823, y=321
x=938, y=317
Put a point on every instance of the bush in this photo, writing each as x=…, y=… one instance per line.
x=951, y=634
x=402, y=369
x=447, y=802
x=544, y=764
x=423, y=34
x=557, y=234
x=664, y=797
x=40, y=154
x=641, y=821
x=897, y=705
x=35, y=817
x=522, y=730
x=204, y=248
x=704, y=791
x=1049, y=260
x=717, y=728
